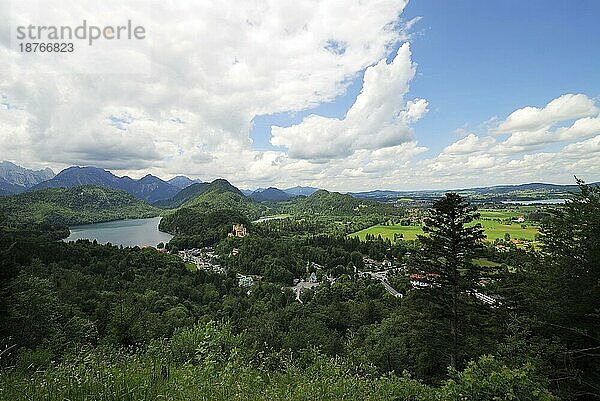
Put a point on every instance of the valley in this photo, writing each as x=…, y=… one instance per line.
x=328, y=278
x=349, y=200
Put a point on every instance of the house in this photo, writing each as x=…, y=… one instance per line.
x=245, y=281
x=502, y=248
x=376, y=265
x=238, y=231
x=423, y=280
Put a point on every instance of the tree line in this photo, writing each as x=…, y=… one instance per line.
x=60, y=302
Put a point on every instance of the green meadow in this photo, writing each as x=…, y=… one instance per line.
x=499, y=214
x=408, y=232
x=494, y=223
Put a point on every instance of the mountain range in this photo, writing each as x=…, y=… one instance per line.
x=270, y=194
x=148, y=188
x=16, y=179
x=181, y=189
x=497, y=192
x=182, y=181
x=83, y=202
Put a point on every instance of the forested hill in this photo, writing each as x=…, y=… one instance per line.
x=189, y=195
x=70, y=206
x=183, y=196
x=206, y=213
x=333, y=203
x=221, y=195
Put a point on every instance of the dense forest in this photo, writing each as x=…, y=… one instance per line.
x=69, y=206
x=89, y=321
x=332, y=203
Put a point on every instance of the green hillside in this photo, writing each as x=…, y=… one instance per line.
x=183, y=196
x=207, y=217
x=193, y=227
x=189, y=194
x=337, y=204
x=221, y=195
x=225, y=375
x=71, y=206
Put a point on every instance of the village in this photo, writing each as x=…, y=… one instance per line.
x=207, y=259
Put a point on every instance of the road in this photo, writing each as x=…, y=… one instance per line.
x=301, y=286
x=381, y=276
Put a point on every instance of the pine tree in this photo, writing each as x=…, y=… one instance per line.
x=564, y=289
x=445, y=263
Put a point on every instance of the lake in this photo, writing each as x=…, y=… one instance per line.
x=536, y=202
x=140, y=232
x=275, y=217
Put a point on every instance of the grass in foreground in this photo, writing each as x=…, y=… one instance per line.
x=207, y=362
x=144, y=378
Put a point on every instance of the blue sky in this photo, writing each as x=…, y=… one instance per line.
x=482, y=59
x=472, y=93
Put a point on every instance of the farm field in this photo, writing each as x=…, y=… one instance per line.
x=499, y=214
x=408, y=232
x=494, y=230
x=485, y=263
x=493, y=221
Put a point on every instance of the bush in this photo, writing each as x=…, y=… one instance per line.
x=203, y=343
x=487, y=379
x=33, y=360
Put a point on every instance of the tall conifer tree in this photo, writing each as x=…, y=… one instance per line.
x=446, y=263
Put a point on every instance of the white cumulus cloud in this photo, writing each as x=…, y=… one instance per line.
x=565, y=107
x=379, y=118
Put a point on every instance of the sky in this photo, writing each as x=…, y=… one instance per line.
x=344, y=95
